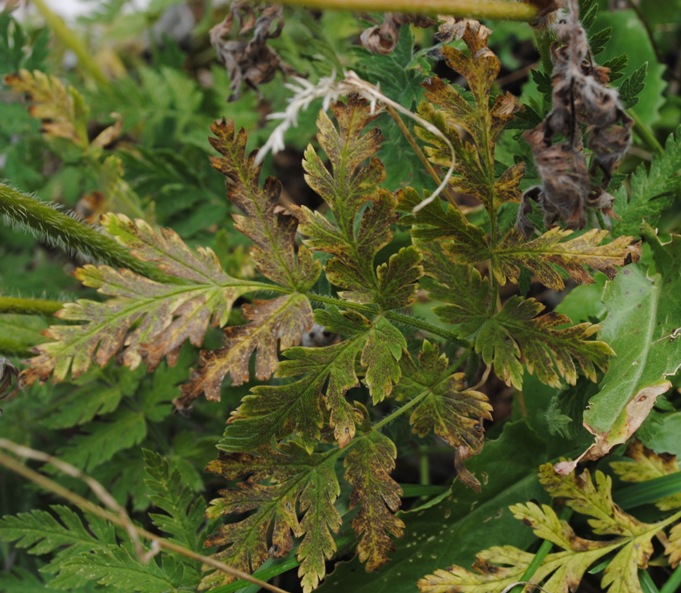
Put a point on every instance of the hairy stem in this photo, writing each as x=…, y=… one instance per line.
x=67, y=233
x=29, y=306
x=115, y=518
x=72, y=42
x=644, y=132
x=478, y=9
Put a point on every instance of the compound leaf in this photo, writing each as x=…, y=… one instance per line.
x=265, y=223
x=542, y=255
x=148, y=320
x=278, y=481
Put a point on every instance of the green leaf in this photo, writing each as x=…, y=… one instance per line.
x=445, y=406
x=649, y=192
x=628, y=31
x=278, y=480
x=633, y=85
x=642, y=318
x=184, y=510
x=119, y=567
x=101, y=440
x=368, y=466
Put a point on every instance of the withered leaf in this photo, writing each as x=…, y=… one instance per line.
x=241, y=44
x=271, y=230
x=148, y=320
x=383, y=38
x=367, y=468
x=282, y=320
x=542, y=255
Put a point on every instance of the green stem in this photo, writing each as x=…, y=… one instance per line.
x=645, y=133
x=72, y=42
x=67, y=233
x=29, y=306
x=478, y=9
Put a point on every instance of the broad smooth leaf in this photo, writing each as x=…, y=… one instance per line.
x=641, y=327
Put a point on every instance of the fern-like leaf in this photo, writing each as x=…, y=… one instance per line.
x=498, y=568
x=362, y=211
x=550, y=251
x=446, y=407
x=274, y=411
x=149, y=320
x=278, y=481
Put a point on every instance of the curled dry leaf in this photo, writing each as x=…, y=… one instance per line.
x=581, y=101
x=382, y=39
x=241, y=44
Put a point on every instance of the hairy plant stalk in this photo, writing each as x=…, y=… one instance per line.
x=68, y=233
x=72, y=42
x=119, y=518
x=477, y=9
x=29, y=306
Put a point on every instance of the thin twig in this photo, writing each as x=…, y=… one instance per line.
x=119, y=517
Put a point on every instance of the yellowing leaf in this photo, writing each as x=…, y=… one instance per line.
x=367, y=467
x=277, y=482
x=271, y=230
x=518, y=333
x=542, y=255
x=63, y=110
x=147, y=320
x=497, y=569
x=282, y=320
x=645, y=465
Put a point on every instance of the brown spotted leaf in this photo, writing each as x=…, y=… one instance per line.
x=281, y=321
x=518, y=336
x=555, y=249
x=472, y=126
x=321, y=378
x=145, y=319
x=264, y=221
x=367, y=468
x=361, y=212
x=276, y=486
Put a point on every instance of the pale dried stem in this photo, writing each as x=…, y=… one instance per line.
x=117, y=515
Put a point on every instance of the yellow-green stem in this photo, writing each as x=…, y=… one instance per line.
x=72, y=42
x=29, y=306
x=478, y=9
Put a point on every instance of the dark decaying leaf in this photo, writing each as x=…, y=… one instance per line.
x=241, y=44
x=382, y=39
